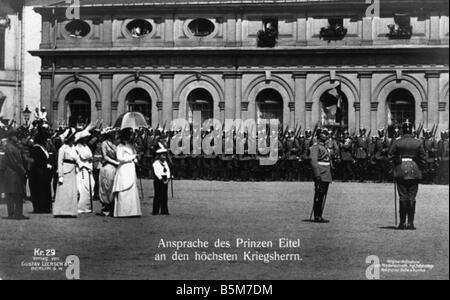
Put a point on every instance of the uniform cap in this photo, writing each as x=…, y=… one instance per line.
x=407, y=127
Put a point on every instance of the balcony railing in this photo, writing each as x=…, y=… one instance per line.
x=267, y=38
x=333, y=33
x=397, y=32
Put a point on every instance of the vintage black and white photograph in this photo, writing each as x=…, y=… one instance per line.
x=224, y=140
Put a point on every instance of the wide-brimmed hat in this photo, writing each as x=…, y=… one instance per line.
x=81, y=135
x=161, y=149
x=108, y=130
x=125, y=132
x=68, y=134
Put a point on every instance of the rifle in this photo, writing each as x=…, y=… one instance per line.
x=434, y=131
x=311, y=143
x=299, y=131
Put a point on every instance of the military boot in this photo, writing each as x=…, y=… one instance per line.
x=18, y=210
x=411, y=214
x=403, y=212
x=10, y=207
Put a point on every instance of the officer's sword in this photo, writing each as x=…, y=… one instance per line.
x=314, y=203
x=324, y=201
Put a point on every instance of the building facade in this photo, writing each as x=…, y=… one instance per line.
x=20, y=32
x=300, y=61
x=10, y=62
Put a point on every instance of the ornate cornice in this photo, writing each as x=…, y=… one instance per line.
x=433, y=74
x=222, y=105
x=424, y=106
x=374, y=106
x=232, y=75
x=299, y=75
x=106, y=76
x=365, y=75
x=291, y=106
x=167, y=75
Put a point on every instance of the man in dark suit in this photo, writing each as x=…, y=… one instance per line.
x=14, y=177
x=321, y=166
x=408, y=157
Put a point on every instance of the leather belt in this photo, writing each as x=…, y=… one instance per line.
x=66, y=161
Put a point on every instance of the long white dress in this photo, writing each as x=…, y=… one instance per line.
x=85, y=180
x=126, y=193
x=66, y=193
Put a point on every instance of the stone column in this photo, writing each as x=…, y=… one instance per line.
x=167, y=83
x=238, y=95
x=168, y=32
x=309, y=119
x=365, y=95
x=424, y=106
x=433, y=97
x=52, y=105
x=159, y=106
x=231, y=31
x=373, y=118
x=291, y=106
x=443, y=115
x=367, y=31
x=222, y=108
x=357, y=107
x=176, y=110
x=300, y=98
x=244, y=109
x=106, y=98
x=230, y=95
x=435, y=38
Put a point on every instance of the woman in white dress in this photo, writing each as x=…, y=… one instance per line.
x=85, y=179
x=108, y=171
x=126, y=193
x=66, y=198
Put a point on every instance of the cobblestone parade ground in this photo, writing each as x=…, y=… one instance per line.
x=361, y=216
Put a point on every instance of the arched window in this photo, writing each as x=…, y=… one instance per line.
x=139, y=100
x=139, y=28
x=401, y=107
x=78, y=29
x=200, y=104
x=269, y=104
x=201, y=27
x=79, y=108
x=334, y=108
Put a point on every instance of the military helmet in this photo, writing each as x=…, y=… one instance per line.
x=407, y=127
x=308, y=133
x=322, y=131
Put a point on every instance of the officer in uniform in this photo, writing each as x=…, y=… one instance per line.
x=407, y=155
x=305, y=164
x=443, y=156
x=162, y=177
x=15, y=176
x=321, y=166
x=346, y=148
x=361, y=154
x=381, y=150
x=292, y=147
x=430, y=147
